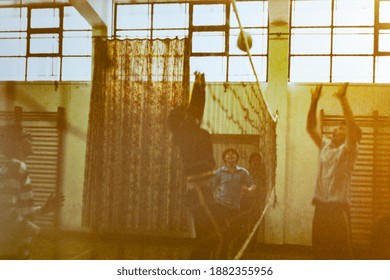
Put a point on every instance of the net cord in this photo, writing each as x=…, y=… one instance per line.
x=274, y=118
x=252, y=233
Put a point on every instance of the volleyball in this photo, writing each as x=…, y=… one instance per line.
x=241, y=41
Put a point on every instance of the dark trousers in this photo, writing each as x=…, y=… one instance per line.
x=207, y=237
x=331, y=232
x=203, y=209
x=233, y=229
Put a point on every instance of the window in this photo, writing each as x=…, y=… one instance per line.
x=44, y=44
x=212, y=29
x=340, y=41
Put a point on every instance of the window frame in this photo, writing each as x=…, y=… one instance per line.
x=190, y=29
x=377, y=26
x=31, y=31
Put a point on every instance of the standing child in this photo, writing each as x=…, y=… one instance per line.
x=230, y=183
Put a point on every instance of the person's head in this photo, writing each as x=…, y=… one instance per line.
x=14, y=142
x=340, y=133
x=230, y=156
x=255, y=160
x=176, y=117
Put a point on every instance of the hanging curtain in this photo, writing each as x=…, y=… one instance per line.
x=133, y=180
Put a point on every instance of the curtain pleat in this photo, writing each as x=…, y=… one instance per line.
x=133, y=180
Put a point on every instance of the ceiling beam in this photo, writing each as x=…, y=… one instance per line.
x=96, y=12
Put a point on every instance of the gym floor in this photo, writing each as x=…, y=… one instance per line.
x=86, y=246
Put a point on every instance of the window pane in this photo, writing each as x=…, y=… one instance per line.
x=311, y=13
x=43, y=69
x=76, y=68
x=384, y=41
x=45, y=18
x=169, y=34
x=74, y=21
x=15, y=70
x=13, y=19
x=384, y=12
x=240, y=69
x=208, y=42
x=382, y=70
x=259, y=41
x=353, y=69
x=354, y=12
x=139, y=34
x=44, y=43
x=213, y=67
x=209, y=15
x=251, y=14
x=170, y=16
x=133, y=17
x=13, y=44
x=310, y=41
x=77, y=42
x=309, y=68
x=353, y=41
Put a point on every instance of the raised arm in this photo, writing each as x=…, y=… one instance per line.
x=353, y=132
x=311, y=122
x=198, y=98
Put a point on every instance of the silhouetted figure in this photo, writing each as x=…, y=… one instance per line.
x=252, y=204
x=196, y=152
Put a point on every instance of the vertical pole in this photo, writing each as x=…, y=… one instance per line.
x=375, y=166
x=322, y=120
x=56, y=226
x=18, y=114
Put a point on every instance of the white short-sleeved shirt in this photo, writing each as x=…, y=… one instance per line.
x=333, y=183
